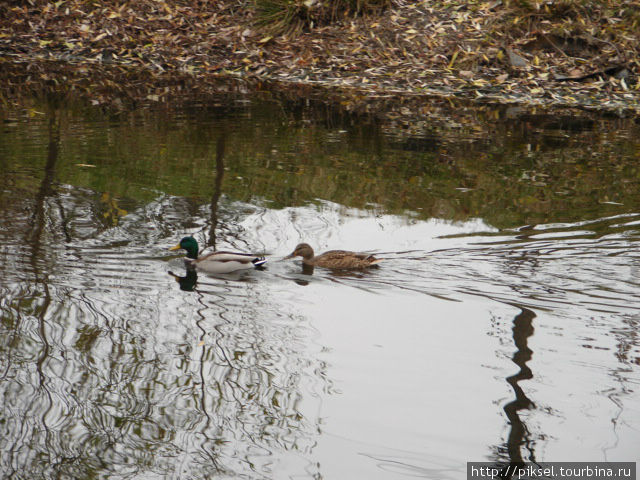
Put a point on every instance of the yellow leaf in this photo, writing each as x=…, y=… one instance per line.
x=265, y=40
x=453, y=59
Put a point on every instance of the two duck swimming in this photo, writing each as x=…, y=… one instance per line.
x=226, y=262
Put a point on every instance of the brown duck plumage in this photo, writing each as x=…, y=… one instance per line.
x=337, y=259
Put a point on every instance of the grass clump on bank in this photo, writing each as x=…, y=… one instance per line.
x=292, y=17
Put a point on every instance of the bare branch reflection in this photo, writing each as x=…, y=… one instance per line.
x=217, y=190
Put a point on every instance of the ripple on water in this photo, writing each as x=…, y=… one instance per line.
x=239, y=367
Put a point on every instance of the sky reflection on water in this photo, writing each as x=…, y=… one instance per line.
x=471, y=341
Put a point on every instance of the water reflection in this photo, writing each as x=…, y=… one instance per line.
x=217, y=190
x=121, y=383
x=188, y=281
x=519, y=436
x=109, y=370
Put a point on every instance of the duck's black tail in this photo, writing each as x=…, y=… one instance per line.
x=259, y=261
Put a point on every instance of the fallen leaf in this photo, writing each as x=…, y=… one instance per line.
x=453, y=59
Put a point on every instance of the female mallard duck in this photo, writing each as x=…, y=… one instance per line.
x=217, y=262
x=336, y=259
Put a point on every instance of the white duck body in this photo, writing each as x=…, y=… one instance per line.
x=217, y=262
x=225, y=262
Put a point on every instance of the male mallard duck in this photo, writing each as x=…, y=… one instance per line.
x=336, y=259
x=217, y=262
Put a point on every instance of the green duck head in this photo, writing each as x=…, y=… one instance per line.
x=190, y=245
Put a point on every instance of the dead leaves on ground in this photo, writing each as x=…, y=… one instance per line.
x=551, y=53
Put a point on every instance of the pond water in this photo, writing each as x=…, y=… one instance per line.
x=502, y=324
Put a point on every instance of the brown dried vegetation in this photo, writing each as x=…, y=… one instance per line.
x=542, y=52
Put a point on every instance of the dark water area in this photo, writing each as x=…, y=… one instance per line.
x=502, y=324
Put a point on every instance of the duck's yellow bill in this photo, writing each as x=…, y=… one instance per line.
x=177, y=247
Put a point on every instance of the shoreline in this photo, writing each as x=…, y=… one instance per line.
x=470, y=52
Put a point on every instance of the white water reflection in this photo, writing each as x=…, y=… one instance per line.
x=327, y=225
x=465, y=344
x=409, y=349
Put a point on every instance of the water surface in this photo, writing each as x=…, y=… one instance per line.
x=501, y=326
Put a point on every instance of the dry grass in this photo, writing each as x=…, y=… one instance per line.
x=292, y=17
